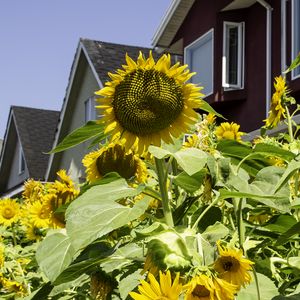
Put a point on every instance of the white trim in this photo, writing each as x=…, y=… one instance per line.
x=293, y=54
x=13, y=192
x=191, y=45
x=283, y=36
x=166, y=19
x=241, y=56
x=80, y=49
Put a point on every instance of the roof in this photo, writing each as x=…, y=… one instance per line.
x=35, y=130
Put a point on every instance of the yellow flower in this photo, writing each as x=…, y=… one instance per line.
x=114, y=158
x=9, y=211
x=2, y=255
x=39, y=213
x=163, y=290
x=56, y=220
x=201, y=287
x=232, y=266
x=228, y=131
x=33, y=233
x=33, y=190
x=148, y=102
x=224, y=290
x=13, y=286
x=191, y=141
x=211, y=118
x=277, y=112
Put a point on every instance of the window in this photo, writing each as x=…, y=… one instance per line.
x=199, y=57
x=233, y=55
x=295, y=35
x=90, y=110
x=21, y=161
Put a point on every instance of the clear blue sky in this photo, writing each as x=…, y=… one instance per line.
x=38, y=39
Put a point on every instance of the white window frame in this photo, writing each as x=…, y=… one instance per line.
x=21, y=158
x=201, y=40
x=90, y=113
x=241, y=56
x=294, y=54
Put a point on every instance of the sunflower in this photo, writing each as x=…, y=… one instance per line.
x=9, y=211
x=56, y=219
x=164, y=289
x=33, y=190
x=39, y=213
x=114, y=158
x=277, y=112
x=228, y=131
x=148, y=102
x=224, y=290
x=232, y=266
x=2, y=255
x=33, y=233
x=13, y=286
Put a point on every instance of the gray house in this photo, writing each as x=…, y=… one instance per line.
x=93, y=60
x=29, y=135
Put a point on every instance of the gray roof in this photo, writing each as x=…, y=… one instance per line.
x=36, y=130
x=108, y=57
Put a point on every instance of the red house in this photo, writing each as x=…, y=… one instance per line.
x=237, y=48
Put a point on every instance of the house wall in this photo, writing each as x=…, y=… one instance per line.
x=15, y=178
x=84, y=86
x=245, y=106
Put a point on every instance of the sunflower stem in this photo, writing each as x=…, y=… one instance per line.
x=238, y=207
x=256, y=284
x=14, y=235
x=162, y=180
x=290, y=126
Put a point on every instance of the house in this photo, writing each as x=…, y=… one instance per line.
x=93, y=60
x=1, y=142
x=236, y=47
x=29, y=135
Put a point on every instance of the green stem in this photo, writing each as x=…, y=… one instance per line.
x=238, y=207
x=290, y=126
x=163, y=190
x=204, y=212
x=14, y=235
x=256, y=284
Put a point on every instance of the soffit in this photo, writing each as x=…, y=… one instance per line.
x=238, y=4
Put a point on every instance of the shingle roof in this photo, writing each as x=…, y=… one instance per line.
x=108, y=57
x=36, y=130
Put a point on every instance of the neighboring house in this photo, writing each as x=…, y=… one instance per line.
x=29, y=135
x=93, y=60
x=237, y=48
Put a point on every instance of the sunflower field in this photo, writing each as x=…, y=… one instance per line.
x=177, y=203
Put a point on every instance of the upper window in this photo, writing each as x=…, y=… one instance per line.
x=295, y=35
x=199, y=57
x=233, y=55
x=21, y=161
x=90, y=110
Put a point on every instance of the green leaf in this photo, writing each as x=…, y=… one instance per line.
x=295, y=229
x=290, y=297
x=55, y=254
x=90, y=130
x=215, y=232
x=129, y=283
x=295, y=63
x=281, y=223
x=292, y=167
x=267, y=289
x=190, y=183
x=41, y=293
x=159, y=152
x=294, y=262
x=96, y=213
x=206, y=107
x=191, y=160
x=272, y=150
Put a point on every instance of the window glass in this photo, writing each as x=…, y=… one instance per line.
x=90, y=110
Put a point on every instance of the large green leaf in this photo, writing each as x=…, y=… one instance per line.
x=55, y=254
x=285, y=237
x=206, y=107
x=90, y=130
x=295, y=63
x=267, y=289
x=272, y=150
x=129, y=283
x=96, y=213
x=41, y=293
x=190, y=183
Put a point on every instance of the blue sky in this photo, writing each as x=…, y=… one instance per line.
x=38, y=39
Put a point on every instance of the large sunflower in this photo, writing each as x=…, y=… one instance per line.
x=232, y=266
x=149, y=101
x=164, y=289
x=9, y=211
x=229, y=131
x=114, y=158
x=39, y=214
x=277, y=112
x=201, y=287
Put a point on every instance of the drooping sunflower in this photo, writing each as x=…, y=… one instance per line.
x=224, y=290
x=228, y=131
x=164, y=289
x=39, y=214
x=9, y=211
x=232, y=266
x=201, y=287
x=277, y=112
x=114, y=158
x=148, y=102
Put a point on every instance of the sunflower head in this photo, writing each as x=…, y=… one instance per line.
x=114, y=158
x=39, y=214
x=10, y=212
x=33, y=190
x=149, y=101
x=229, y=131
x=166, y=288
x=201, y=287
x=232, y=266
